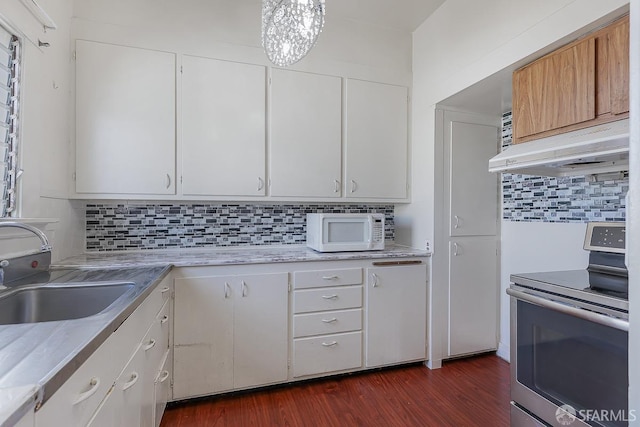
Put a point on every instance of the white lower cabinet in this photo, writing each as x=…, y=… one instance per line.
x=238, y=327
x=112, y=386
x=326, y=304
x=230, y=331
x=396, y=313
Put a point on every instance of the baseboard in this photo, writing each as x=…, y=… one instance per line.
x=504, y=351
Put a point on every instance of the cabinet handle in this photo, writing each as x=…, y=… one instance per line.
x=164, y=319
x=336, y=188
x=457, y=219
x=334, y=296
x=329, y=277
x=131, y=382
x=354, y=186
x=94, y=384
x=164, y=290
x=168, y=180
x=164, y=376
x=245, y=290
x=227, y=290
x=260, y=184
x=330, y=344
x=149, y=346
x=455, y=250
x=375, y=280
x=330, y=320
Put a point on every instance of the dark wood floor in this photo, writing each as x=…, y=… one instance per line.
x=465, y=392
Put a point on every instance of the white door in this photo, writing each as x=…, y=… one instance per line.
x=306, y=134
x=260, y=329
x=376, y=145
x=203, y=335
x=473, y=189
x=473, y=295
x=125, y=120
x=396, y=314
x=223, y=128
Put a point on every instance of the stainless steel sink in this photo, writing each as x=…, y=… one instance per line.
x=51, y=302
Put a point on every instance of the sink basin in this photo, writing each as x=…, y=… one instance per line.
x=58, y=302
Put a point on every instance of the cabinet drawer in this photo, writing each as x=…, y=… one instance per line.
x=328, y=353
x=327, y=322
x=308, y=300
x=323, y=278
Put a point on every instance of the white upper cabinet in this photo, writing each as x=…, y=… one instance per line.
x=376, y=141
x=223, y=128
x=306, y=134
x=125, y=120
x=473, y=189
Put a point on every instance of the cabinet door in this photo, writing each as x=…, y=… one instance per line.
x=555, y=91
x=473, y=295
x=473, y=190
x=306, y=134
x=125, y=120
x=223, y=128
x=260, y=329
x=618, y=60
x=203, y=335
x=376, y=146
x=396, y=314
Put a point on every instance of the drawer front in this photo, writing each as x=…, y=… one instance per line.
x=329, y=353
x=323, y=278
x=309, y=300
x=327, y=322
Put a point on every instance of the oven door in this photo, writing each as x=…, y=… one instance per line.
x=564, y=355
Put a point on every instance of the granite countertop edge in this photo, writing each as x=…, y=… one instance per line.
x=227, y=256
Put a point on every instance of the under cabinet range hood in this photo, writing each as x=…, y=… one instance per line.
x=601, y=149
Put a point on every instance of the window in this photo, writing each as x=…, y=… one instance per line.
x=9, y=105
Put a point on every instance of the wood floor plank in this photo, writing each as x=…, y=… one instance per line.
x=465, y=392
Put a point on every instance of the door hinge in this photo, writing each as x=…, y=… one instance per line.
x=73, y=176
x=181, y=71
x=289, y=287
x=74, y=55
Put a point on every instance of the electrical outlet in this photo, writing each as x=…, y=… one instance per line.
x=427, y=245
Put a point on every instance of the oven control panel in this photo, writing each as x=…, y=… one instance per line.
x=606, y=237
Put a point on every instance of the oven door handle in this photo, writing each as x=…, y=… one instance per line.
x=601, y=319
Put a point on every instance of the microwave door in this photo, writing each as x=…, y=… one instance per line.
x=344, y=231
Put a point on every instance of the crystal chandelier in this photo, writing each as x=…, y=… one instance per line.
x=290, y=28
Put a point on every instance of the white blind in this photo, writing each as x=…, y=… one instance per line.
x=9, y=106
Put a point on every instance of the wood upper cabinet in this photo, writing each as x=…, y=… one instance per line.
x=576, y=86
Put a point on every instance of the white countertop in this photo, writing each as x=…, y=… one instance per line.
x=227, y=256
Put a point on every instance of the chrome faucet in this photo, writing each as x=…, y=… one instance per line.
x=20, y=267
x=43, y=237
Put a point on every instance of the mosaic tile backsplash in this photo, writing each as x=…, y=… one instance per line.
x=111, y=227
x=565, y=199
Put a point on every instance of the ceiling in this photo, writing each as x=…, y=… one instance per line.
x=404, y=15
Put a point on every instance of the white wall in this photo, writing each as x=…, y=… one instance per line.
x=44, y=128
x=230, y=30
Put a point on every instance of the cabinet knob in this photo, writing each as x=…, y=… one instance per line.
x=457, y=221
x=354, y=186
x=245, y=290
x=336, y=188
x=329, y=344
x=456, y=250
x=260, y=184
x=94, y=385
x=227, y=290
x=375, y=280
x=334, y=296
x=168, y=181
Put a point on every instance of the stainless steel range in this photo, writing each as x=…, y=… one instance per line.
x=569, y=339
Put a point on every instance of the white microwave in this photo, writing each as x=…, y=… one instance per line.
x=332, y=232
